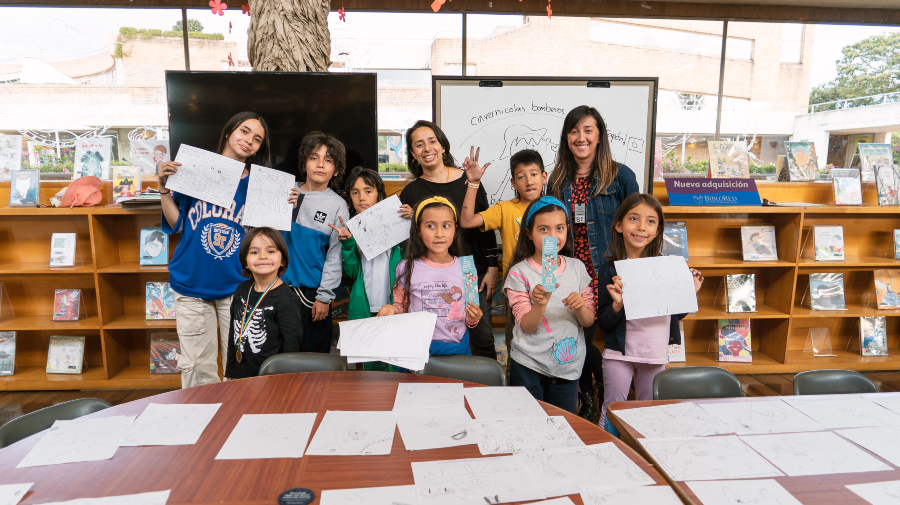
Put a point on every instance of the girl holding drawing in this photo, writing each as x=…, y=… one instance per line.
x=636, y=348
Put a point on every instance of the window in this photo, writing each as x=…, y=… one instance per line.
x=792, y=43
x=669, y=39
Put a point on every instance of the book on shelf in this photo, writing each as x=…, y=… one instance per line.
x=148, y=154
x=24, y=188
x=92, y=157
x=126, y=182
x=781, y=168
x=160, y=301
x=847, y=187
x=7, y=352
x=802, y=162
x=66, y=304
x=677, y=351
x=826, y=291
x=758, y=242
x=828, y=242
x=154, y=247
x=675, y=239
x=740, y=291
x=887, y=184
x=11, y=154
x=65, y=355
x=897, y=244
x=873, y=336
x=734, y=340
x=887, y=282
x=62, y=250
x=873, y=156
x=728, y=160
x=164, y=351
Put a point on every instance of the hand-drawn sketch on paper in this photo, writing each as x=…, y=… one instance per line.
x=155, y=498
x=673, y=421
x=656, y=286
x=709, y=458
x=165, y=424
x=411, y=395
x=267, y=198
x=11, y=494
x=379, y=227
x=503, y=403
x=611, y=495
x=77, y=441
x=507, y=436
x=353, y=434
x=878, y=493
x=437, y=432
x=473, y=481
x=736, y=492
x=760, y=418
x=817, y=453
x=10, y=154
x=206, y=176
x=848, y=411
x=397, y=336
x=388, y=495
x=262, y=436
x=881, y=440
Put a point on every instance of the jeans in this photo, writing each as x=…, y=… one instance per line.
x=197, y=322
x=316, y=334
x=481, y=338
x=593, y=362
x=558, y=392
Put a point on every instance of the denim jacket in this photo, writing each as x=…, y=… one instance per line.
x=601, y=210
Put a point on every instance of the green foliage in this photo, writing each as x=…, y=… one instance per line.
x=142, y=33
x=672, y=165
x=117, y=163
x=895, y=146
x=393, y=167
x=382, y=142
x=128, y=33
x=766, y=168
x=868, y=67
x=193, y=26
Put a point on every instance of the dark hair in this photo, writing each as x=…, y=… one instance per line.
x=370, y=177
x=525, y=245
x=616, y=249
x=525, y=157
x=263, y=156
x=415, y=247
x=334, y=148
x=275, y=237
x=604, y=168
x=414, y=166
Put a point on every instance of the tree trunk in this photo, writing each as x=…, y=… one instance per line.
x=289, y=35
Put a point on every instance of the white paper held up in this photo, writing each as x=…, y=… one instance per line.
x=844, y=411
x=612, y=495
x=878, y=493
x=206, y=176
x=343, y=433
x=656, y=286
x=503, y=403
x=760, y=418
x=267, y=198
x=263, y=436
x=437, y=432
x=730, y=492
x=508, y=436
x=817, y=453
x=170, y=424
x=708, y=458
x=388, y=495
x=397, y=336
x=881, y=440
x=10, y=494
x=673, y=421
x=77, y=441
x=412, y=395
x=155, y=498
x=379, y=227
x=473, y=481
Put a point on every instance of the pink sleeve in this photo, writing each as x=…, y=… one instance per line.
x=399, y=296
x=519, y=302
x=588, y=295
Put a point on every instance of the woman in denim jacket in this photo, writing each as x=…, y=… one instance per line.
x=592, y=185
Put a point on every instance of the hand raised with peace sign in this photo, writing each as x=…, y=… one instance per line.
x=343, y=232
x=474, y=172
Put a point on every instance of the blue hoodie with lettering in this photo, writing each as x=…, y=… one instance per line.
x=206, y=262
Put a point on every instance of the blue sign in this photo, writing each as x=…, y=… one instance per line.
x=696, y=191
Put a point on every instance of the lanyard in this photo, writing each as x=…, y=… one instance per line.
x=245, y=318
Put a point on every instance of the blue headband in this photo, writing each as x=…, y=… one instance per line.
x=543, y=202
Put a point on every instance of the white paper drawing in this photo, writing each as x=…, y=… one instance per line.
x=878, y=493
x=92, y=157
x=817, y=453
x=155, y=498
x=611, y=495
x=10, y=154
x=890, y=401
x=708, y=458
x=175, y=424
x=473, y=481
x=503, y=403
x=344, y=433
x=412, y=395
x=388, y=495
x=77, y=441
x=436, y=432
x=437, y=411
x=262, y=436
x=736, y=492
x=398, y=336
x=507, y=436
x=148, y=154
x=10, y=494
x=560, y=473
x=206, y=176
x=881, y=440
x=656, y=286
x=379, y=227
x=267, y=198
x=673, y=421
x=845, y=411
x=762, y=417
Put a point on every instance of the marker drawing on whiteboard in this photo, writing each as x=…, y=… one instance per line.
x=516, y=138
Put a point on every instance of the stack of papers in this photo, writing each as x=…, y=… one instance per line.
x=402, y=340
x=433, y=416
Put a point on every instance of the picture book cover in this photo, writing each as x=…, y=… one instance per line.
x=676, y=351
x=126, y=182
x=10, y=154
x=548, y=263
x=887, y=184
x=154, y=247
x=92, y=157
x=873, y=155
x=829, y=243
x=66, y=355
x=675, y=241
x=62, y=250
x=7, y=352
x=758, y=242
x=734, y=340
x=66, y=304
x=470, y=276
x=826, y=291
x=741, y=292
x=164, y=351
x=781, y=168
x=728, y=160
x=847, y=186
x=148, y=154
x=160, y=301
x=24, y=188
x=873, y=336
x=802, y=162
x=897, y=244
x=887, y=282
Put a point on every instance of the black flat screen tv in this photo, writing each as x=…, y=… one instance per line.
x=292, y=103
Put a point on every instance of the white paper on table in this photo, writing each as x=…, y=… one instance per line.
x=507, y=436
x=267, y=204
x=10, y=494
x=77, y=441
x=170, y=424
x=379, y=227
x=262, y=436
x=708, y=458
x=817, y=453
x=397, y=336
x=612, y=495
x=206, y=176
x=437, y=432
x=503, y=403
x=154, y=498
x=673, y=421
x=388, y=495
x=878, y=493
x=881, y=440
x=560, y=473
x=730, y=492
x=410, y=394
x=343, y=433
x=762, y=417
x=843, y=411
x=438, y=411
x=473, y=481
x=656, y=286
x=890, y=401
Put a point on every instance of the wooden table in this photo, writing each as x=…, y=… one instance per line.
x=194, y=476
x=812, y=489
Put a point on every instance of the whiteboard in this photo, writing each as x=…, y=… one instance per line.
x=528, y=113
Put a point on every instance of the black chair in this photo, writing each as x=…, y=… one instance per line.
x=39, y=420
x=695, y=382
x=297, y=362
x=832, y=382
x=476, y=369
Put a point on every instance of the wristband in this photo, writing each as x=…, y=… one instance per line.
x=166, y=193
x=474, y=185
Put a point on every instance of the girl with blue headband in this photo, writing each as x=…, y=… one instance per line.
x=548, y=348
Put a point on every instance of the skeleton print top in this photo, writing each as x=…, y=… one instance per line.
x=274, y=328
